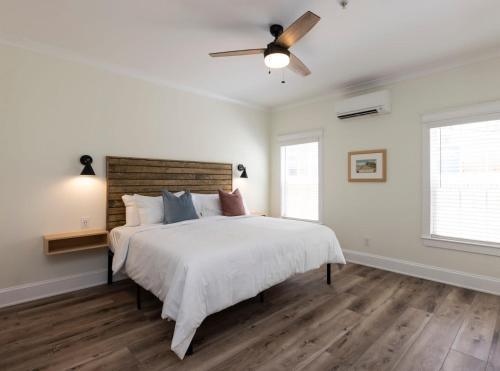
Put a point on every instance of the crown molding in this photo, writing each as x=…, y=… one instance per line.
x=384, y=81
x=64, y=54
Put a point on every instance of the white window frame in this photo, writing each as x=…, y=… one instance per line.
x=475, y=113
x=300, y=138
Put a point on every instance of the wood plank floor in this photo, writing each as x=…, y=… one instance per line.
x=368, y=319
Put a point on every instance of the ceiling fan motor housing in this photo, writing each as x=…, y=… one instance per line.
x=274, y=48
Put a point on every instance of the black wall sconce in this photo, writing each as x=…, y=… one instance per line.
x=244, y=171
x=86, y=161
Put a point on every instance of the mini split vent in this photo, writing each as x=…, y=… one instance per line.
x=356, y=114
x=369, y=104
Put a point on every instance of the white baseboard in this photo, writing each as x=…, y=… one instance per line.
x=42, y=289
x=476, y=282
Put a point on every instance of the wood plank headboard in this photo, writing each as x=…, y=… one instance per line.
x=127, y=175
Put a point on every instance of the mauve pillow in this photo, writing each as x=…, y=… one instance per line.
x=232, y=203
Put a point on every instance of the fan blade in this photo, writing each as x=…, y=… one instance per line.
x=235, y=53
x=297, y=66
x=298, y=29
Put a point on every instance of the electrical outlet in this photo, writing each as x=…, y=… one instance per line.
x=84, y=222
x=367, y=241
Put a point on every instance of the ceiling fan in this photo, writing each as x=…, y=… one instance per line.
x=277, y=55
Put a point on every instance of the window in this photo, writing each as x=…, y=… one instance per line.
x=300, y=176
x=463, y=180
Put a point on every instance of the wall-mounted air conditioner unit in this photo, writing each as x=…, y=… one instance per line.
x=362, y=105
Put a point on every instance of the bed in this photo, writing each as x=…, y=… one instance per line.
x=199, y=267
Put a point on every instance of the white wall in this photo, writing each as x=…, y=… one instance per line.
x=388, y=213
x=52, y=111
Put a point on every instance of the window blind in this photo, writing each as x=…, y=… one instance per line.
x=300, y=180
x=465, y=181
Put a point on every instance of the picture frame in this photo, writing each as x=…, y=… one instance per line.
x=367, y=166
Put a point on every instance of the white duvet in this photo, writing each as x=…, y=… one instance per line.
x=202, y=266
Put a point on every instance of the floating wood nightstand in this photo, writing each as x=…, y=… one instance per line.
x=61, y=243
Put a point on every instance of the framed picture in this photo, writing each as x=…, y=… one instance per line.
x=368, y=166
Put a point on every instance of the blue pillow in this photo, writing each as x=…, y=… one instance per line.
x=176, y=209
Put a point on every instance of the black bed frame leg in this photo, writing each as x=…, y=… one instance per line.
x=190, y=350
x=329, y=274
x=110, y=267
x=139, y=306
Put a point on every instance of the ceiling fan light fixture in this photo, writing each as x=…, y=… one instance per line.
x=276, y=60
x=276, y=56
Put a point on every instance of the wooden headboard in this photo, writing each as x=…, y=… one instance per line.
x=127, y=175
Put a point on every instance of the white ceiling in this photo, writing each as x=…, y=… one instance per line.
x=170, y=39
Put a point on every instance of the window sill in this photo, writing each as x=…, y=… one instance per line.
x=301, y=220
x=478, y=247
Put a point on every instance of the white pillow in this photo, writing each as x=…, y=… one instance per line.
x=131, y=211
x=150, y=209
x=247, y=212
x=207, y=204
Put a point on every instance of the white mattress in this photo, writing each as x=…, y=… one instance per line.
x=202, y=266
